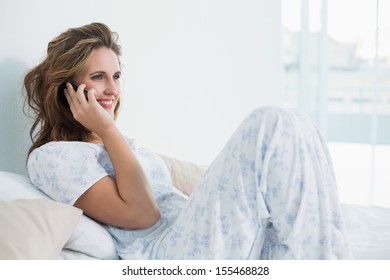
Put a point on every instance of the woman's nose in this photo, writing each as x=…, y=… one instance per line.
x=112, y=87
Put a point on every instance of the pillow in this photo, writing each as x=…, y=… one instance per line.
x=14, y=186
x=35, y=228
x=93, y=240
x=89, y=237
x=185, y=175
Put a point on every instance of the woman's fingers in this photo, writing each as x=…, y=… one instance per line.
x=91, y=95
x=77, y=94
x=71, y=103
x=69, y=98
x=76, y=103
x=87, y=112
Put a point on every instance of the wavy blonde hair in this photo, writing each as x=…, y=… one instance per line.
x=67, y=55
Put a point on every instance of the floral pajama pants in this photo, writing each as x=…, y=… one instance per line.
x=270, y=194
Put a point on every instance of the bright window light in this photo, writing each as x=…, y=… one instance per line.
x=337, y=69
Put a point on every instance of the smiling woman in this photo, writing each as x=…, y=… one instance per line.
x=69, y=59
x=271, y=189
x=90, y=56
x=101, y=76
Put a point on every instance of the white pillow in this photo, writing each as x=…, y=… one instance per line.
x=89, y=237
x=93, y=240
x=35, y=228
x=14, y=186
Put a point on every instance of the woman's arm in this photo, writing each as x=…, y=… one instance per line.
x=127, y=201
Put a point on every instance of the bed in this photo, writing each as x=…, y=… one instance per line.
x=36, y=227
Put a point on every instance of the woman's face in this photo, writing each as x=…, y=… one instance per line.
x=103, y=75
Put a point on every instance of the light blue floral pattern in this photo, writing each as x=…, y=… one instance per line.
x=269, y=194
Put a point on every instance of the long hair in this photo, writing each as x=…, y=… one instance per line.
x=67, y=55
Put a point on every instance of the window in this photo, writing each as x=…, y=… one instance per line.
x=337, y=69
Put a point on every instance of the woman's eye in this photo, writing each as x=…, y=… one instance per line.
x=97, y=77
x=117, y=76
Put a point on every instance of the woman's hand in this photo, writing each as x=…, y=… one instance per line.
x=88, y=112
x=126, y=201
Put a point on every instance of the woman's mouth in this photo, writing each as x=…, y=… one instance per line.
x=106, y=103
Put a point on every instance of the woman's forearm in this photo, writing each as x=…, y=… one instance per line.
x=133, y=186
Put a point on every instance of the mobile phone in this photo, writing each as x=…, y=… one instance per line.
x=62, y=87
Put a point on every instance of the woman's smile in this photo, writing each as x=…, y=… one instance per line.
x=106, y=103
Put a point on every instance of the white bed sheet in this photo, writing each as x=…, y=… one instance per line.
x=368, y=229
x=67, y=254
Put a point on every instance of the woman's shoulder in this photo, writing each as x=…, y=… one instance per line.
x=64, y=170
x=64, y=145
x=72, y=150
x=65, y=150
x=64, y=157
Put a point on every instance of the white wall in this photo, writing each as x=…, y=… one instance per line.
x=192, y=69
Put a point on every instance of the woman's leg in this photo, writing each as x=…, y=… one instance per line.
x=271, y=193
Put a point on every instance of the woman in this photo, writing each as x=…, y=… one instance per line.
x=270, y=194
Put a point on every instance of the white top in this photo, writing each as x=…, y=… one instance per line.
x=65, y=170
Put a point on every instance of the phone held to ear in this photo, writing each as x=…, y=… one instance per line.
x=62, y=87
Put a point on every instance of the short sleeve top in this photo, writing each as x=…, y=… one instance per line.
x=65, y=170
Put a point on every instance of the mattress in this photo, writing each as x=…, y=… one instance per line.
x=368, y=229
